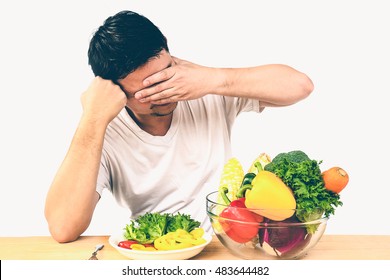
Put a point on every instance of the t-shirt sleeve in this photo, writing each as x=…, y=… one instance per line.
x=235, y=105
x=103, y=179
x=248, y=105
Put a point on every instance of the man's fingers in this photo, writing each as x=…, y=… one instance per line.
x=147, y=92
x=156, y=91
x=159, y=77
x=162, y=95
x=170, y=99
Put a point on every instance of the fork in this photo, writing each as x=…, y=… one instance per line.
x=97, y=248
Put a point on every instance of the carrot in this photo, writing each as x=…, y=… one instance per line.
x=335, y=179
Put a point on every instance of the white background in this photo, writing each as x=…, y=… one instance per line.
x=342, y=45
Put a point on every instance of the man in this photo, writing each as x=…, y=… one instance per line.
x=155, y=129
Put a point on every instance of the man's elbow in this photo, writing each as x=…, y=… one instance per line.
x=306, y=87
x=63, y=234
x=62, y=230
x=299, y=88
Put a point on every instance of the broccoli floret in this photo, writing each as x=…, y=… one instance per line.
x=293, y=156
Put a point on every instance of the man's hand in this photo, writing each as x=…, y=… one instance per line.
x=182, y=81
x=103, y=100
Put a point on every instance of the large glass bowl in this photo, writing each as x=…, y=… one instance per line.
x=252, y=236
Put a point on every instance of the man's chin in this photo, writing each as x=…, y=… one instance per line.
x=163, y=109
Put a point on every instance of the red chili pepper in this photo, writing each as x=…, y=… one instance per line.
x=239, y=232
x=127, y=243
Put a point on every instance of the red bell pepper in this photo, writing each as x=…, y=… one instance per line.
x=238, y=222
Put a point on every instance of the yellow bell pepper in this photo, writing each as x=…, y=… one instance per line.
x=270, y=197
x=197, y=233
x=142, y=247
x=179, y=239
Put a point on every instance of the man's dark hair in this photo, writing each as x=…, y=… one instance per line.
x=122, y=44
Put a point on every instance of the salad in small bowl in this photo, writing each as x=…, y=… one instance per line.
x=278, y=209
x=161, y=236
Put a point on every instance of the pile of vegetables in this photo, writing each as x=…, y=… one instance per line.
x=290, y=188
x=162, y=231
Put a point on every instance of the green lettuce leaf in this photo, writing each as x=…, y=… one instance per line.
x=148, y=227
x=304, y=178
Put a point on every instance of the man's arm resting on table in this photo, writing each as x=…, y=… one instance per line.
x=72, y=197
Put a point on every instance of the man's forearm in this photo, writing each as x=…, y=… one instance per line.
x=272, y=85
x=72, y=196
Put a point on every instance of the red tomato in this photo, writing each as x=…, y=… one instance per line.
x=230, y=222
x=127, y=243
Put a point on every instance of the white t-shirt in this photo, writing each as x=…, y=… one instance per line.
x=175, y=172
